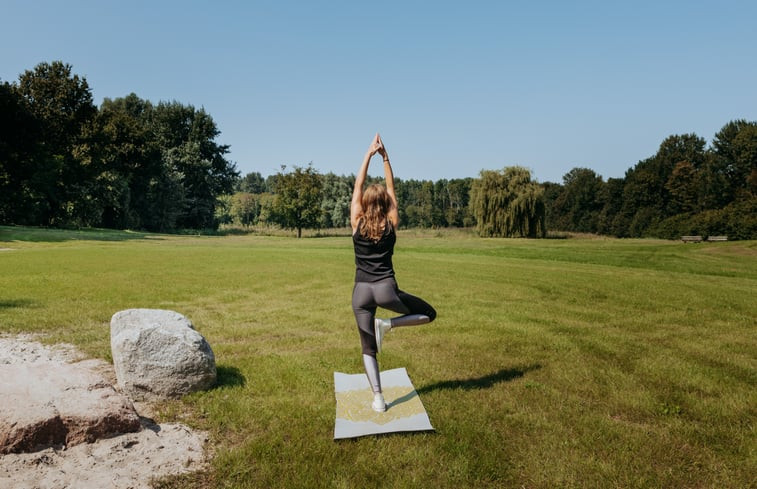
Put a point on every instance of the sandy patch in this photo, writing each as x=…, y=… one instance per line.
x=121, y=462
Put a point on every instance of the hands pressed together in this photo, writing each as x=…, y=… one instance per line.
x=377, y=146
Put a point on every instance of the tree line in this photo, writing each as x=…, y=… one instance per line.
x=304, y=198
x=128, y=164
x=685, y=188
x=133, y=164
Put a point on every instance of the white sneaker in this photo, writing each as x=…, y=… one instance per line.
x=378, y=403
x=380, y=328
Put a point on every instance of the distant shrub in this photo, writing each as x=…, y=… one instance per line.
x=738, y=220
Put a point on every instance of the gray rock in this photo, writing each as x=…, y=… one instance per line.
x=158, y=354
x=52, y=403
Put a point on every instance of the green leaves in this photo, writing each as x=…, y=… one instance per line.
x=684, y=188
x=130, y=164
x=508, y=204
x=298, y=198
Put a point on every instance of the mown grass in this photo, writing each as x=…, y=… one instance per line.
x=553, y=363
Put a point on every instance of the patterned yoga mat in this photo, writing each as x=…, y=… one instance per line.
x=355, y=417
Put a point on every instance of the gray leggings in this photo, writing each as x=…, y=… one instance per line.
x=367, y=296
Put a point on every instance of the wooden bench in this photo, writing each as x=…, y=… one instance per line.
x=691, y=239
x=717, y=238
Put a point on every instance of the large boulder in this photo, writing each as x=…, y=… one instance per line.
x=46, y=402
x=158, y=354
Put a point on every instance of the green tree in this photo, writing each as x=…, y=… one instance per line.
x=440, y=203
x=458, y=194
x=646, y=198
x=416, y=200
x=19, y=147
x=335, y=203
x=612, y=201
x=246, y=208
x=61, y=100
x=62, y=103
x=580, y=201
x=159, y=166
x=715, y=189
x=425, y=204
x=252, y=183
x=683, y=186
x=552, y=213
x=190, y=155
x=267, y=214
x=130, y=159
x=223, y=212
x=508, y=203
x=270, y=183
x=298, y=198
x=165, y=201
x=735, y=150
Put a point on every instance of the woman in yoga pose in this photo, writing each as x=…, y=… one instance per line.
x=374, y=219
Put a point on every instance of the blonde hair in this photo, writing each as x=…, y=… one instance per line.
x=376, y=204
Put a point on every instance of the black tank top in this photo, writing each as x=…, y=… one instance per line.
x=373, y=259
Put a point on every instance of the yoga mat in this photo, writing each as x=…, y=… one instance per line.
x=355, y=417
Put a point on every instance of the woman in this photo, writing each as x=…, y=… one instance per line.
x=374, y=219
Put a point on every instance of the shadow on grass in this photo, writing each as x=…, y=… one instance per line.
x=229, y=377
x=55, y=235
x=12, y=303
x=410, y=395
x=485, y=382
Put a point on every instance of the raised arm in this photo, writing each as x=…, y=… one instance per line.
x=356, y=206
x=393, y=215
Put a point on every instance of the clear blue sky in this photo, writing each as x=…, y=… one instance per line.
x=453, y=87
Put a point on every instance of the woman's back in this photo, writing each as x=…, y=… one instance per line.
x=373, y=259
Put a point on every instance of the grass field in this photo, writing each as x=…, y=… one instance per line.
x=585, y=363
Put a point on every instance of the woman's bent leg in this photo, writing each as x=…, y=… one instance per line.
x=418, y=307
x=414, y=310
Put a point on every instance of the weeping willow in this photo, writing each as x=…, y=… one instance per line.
x=508, y=203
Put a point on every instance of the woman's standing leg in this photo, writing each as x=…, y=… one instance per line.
x=364, y=307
